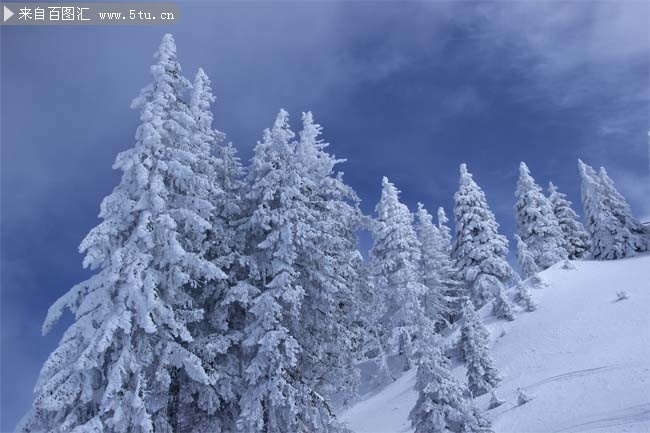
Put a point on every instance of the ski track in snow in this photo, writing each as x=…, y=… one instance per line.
x=584, y=359
x=573, y=374
x=631, y=415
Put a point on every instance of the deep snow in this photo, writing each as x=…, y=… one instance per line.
x=583, y=356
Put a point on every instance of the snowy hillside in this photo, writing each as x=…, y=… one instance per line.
x=583, y=356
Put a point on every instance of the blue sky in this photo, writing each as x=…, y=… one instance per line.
x=406, y=90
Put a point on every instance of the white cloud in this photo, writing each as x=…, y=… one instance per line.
x=575, y=54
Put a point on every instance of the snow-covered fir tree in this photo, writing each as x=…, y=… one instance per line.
x=639, y=240
x=395, y=259
x=214, y=407
x=522, y=396
x=442, y=406
x=614, y=232
x=609, y=238
x=502, y=307
x=277, y=395
x=495, y=401
x=119, y=366
x=536, y=223
x=575, y=237
x=445, y=231
x=370, y=310
x=433, y=254
x=229, y=171
x=525, y=260
x=529, y=270
x=482, y=375
x=523, y=297
x=448, y=271
x=328, y=264
x=479, y=250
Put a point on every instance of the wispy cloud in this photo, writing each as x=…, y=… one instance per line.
x=575, y=53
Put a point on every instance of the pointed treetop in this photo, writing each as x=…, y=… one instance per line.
x=307, y=118
x=388, y=189
x=201, y=76
x=525, y=178
x=167, y=48
x=310, y=129
x=169, y=84
x=613, y=194
x=202, y=86
x=552, y=189
x=424, y=215
x=442, y=217
x=281, y=120
x=466, y=177
x=608, y=184
x=281, y=128
x=386, y=184
x=585, y=169
x=202, y=98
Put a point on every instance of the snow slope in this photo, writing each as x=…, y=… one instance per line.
x=583, y=356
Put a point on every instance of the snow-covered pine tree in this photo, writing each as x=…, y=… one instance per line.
x=522, y=396
x=575, y=237
x=525, y=259
x=228, y=169
x=448, y=271
x=479, y=250
x=602, y=226
x=441, y=406
x=395, y=257
x=276, y=397
x=445, y=231
x=370, y=309
x=119, y=365
x=501, y=307
x=529, y=270
x=432, y=253
x=328, y=263
x=495, y=401
x=523, y=297
x=639, y=240
x=536, y=223
x=214, y=407
x=482, y=376
x=614, y=232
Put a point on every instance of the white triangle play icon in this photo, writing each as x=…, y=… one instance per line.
x=7, y=13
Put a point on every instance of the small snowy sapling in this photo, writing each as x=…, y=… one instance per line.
x=522, y=396
x=568, y=265
x=495, y=401
x=621, y=295
x=523, y=297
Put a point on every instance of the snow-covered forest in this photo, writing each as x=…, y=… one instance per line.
x=232, y=297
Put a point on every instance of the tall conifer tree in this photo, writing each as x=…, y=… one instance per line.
x=536, y=223
x=118, y=366
x=478, y=249
x=575, y=237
